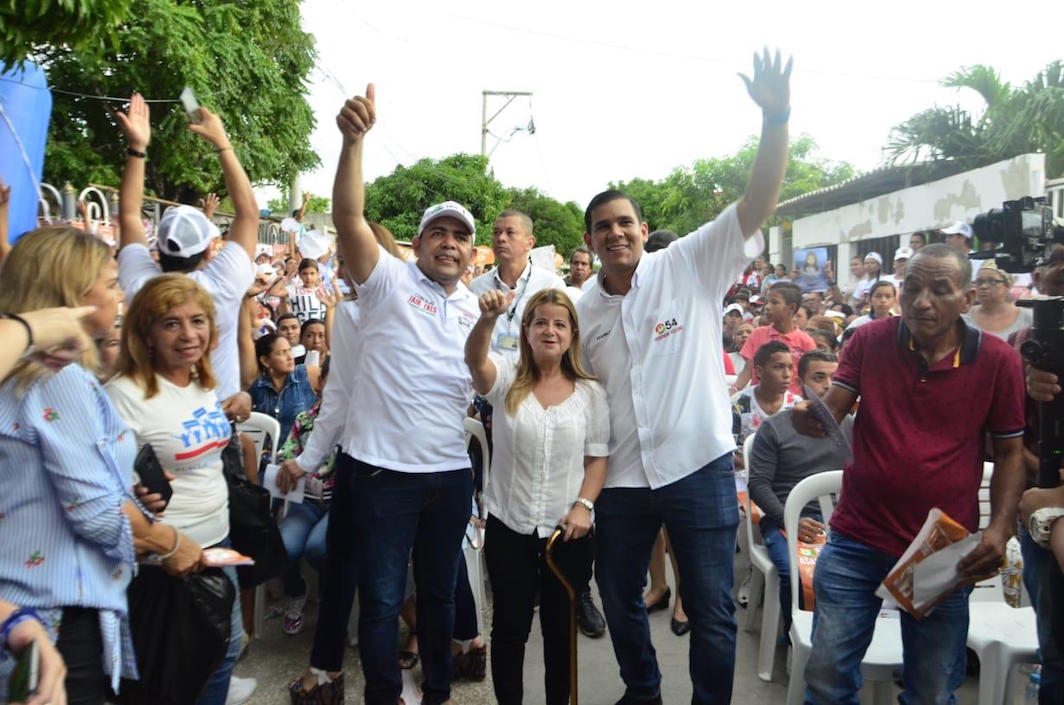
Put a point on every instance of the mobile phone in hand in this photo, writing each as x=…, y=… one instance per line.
x=151, y=473
x=192, y=107
x=22, y=684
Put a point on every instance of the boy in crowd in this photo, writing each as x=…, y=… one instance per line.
x=784, y=299
x=771, y=395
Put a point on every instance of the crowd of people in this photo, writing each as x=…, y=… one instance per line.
x=616, y=405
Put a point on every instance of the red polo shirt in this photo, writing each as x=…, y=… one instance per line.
x=919, y=435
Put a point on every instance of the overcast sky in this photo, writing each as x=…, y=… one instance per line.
x=625, y=89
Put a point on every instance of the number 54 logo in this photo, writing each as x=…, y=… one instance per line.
x=666, y=328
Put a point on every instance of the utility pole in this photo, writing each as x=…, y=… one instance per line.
x=485, y=120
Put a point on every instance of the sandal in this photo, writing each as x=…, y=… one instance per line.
x=331, y=692
x=408, y=660
x=472, y=665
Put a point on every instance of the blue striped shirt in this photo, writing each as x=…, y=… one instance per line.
x=66, y=461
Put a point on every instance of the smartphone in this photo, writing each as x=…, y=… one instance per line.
x=188, y=99
x=151, y=474
x=22, y=684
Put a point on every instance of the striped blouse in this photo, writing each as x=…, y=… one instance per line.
x=66, y=461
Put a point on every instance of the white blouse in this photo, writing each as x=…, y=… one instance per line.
x=537, y=466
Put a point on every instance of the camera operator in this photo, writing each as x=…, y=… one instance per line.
x=1042, y=575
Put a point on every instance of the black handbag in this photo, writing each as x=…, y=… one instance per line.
x=180, y=632
x=252, y=527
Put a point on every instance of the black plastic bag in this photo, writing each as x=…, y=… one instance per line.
x=252, y=527
x=180, y=634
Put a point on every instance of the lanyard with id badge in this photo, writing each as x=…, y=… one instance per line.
x=506, y=341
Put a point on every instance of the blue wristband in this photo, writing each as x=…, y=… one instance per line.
x=16, y=618
x=777, y=119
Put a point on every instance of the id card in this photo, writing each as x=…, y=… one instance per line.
x=506, y=342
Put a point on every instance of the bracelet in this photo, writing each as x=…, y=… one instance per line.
x=585, y=503
x=134, y=153
x=22, y=614
x=20, y=319
x=777, y=119
x=177, y=545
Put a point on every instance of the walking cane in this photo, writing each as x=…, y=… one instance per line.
x=558, y=533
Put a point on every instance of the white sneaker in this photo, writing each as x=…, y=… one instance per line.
x=240, y=690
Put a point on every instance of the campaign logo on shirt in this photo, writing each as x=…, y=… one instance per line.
x=666, y=328
x=422, y=304
x=466, y=320
x=205, y=431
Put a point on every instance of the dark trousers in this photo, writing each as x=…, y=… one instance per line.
x=339, y=575
x=394, y=513
x=465, y=607
x=701, y=515
x=81, y=645
x=517, y=567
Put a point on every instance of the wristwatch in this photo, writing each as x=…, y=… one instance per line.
x=587, y=503
x=1041, y=524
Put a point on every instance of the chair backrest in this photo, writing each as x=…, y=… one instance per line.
x=260, y=426
x=475, y=429
x=819, y=486
x=749, y=521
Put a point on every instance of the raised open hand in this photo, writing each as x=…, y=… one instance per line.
x=136, y=123
x=770, y=86
x=210, y=204
x=210, y=128
x=358, y=115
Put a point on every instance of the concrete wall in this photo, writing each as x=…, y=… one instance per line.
x=931, y=205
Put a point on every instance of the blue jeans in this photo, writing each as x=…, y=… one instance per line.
x=847, y=575
x=218, y=686
x=394, y=512
x=701, y=516
x=303, y=533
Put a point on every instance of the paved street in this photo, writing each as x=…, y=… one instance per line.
x=275, y=658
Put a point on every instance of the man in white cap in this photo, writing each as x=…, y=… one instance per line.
x=185, y=234
x=402, y=477
x=901, y=256
x=959, y=237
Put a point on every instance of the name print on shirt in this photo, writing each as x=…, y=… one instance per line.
x=203, y=432
x=422, y=304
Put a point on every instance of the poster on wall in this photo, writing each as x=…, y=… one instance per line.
x=810, y=264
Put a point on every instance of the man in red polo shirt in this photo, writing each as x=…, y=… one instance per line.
x=931, y=388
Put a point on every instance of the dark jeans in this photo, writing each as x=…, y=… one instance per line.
x=517, y=566
x=1049, y=609
x=81, y=644
x=339, y=574
x=394, y=512
x=465, y=607
x=701, y=515
x=845, y=581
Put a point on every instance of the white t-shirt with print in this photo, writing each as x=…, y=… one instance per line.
x=187, y=430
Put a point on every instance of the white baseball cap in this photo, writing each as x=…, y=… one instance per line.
x=733, y=308
x=959, y=228
x=876, y=256
x=903, y=253
x=448, y=208
x=185, y=231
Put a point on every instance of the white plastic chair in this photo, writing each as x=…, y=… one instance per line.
x=474, y=557
x=999, y=634
x=260, y=427
x=884, y=654
x=770, y=612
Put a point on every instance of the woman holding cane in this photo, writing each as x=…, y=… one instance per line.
x=548, y=467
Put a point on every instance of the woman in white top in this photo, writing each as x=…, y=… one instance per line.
x=548, y=466
x=994, y=312
x=164, y=392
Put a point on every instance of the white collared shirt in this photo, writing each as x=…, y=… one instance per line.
x=658, y=352
x=406, y=408
x=508, y=326
x=537, y=465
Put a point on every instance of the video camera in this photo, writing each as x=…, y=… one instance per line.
x=1024, y=234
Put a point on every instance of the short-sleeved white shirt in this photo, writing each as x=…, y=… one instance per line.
x=227, y=277
x=508, y=326
x=657, y=350
x=407, y=408
x=537, y=465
